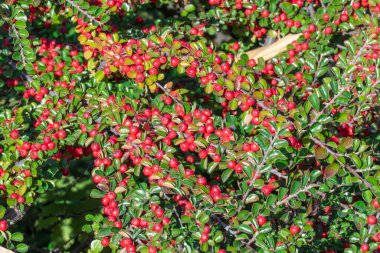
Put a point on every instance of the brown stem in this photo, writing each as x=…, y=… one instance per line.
x=259, y=167
x=90, y=17
x=336, y=156
x=344, y=76
x=23, y=60
x=167, y=93
x=294, y=195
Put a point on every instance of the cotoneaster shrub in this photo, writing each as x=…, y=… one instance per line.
x=193, y=143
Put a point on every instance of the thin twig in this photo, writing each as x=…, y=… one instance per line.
x=259, y=167
x=336, y=156
x=347, y=207
x=26, y=77
x=278, y=174
x=167, y=93
x=23, y=60
x=178, y=217
x=344, y=75
x=294, y=195
x=93, y=19
x=253, y=238
x=224, y=225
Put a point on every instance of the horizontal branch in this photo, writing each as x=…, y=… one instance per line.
x=90, y=17
x=23, y=58
x=294, y=195
x=346, y=166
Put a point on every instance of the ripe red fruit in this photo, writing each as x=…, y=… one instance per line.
x=140, y=78
x=375, y=203
x=238, y=168
x=268, y=93
x=299, y=76
x=328, y=30
x=294, y=229
x=231, y=164
x=152, y=249
x=364, y=247
x=173, y=163
x=15, y=134
x=174, y=61
x=191, y=72
x=344, y=17
x=204, y=238
x=251, y=62
x=105, y=242
x=371, y=220
x=266, y=189
x=291, y=105
x=254, y=147
x=214, y=2
x=117, y=154
x=202, y=180
x=312, y=28
x=135, y=222
x=356, y=5
x=3, y=225
x=157, y=228
x=261, y=220
x=159, y=213
x=265, y=14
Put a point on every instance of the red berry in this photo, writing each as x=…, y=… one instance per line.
x=294, y=229
x=375, y=203
x=371, y=220
x=152, y=249
x=261, y=220
x=3, y=225
x=105, y=242
x=267, y=190
x=344, y=17
x=174, y=61
x=364, y=247
x=191, y=72
x=265, y=14
x=312, y=28
x=15, y=134
x=204, y=238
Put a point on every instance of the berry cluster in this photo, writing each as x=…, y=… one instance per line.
x=194, y=143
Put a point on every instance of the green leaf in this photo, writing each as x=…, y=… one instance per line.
x=96, y=246
x=315, y=174
x=296, y=185
x=324, y=91
x=367, y=196
x=314, y=101
x=95, y=193
x=331, y=170
x=99, y=76
x=226, y=174
x=107, y=231
x=320, y=153
x=246, y=229
x=233, y=104
x=355, y=158
x=20, y=24
x=18, y=237
x=22, y=247
x=252, y=198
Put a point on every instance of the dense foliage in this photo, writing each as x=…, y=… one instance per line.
x=152, y=126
